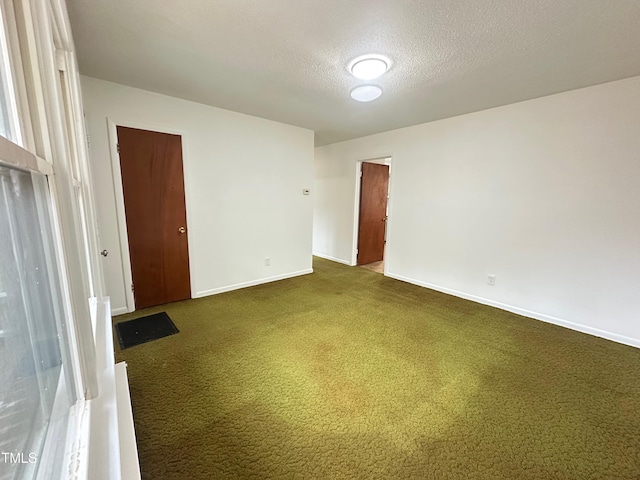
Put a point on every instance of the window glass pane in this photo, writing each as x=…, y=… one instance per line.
x=5, y=131
x=8, y=110
x=36, y=386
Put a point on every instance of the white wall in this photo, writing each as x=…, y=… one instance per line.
x=544, y=194
x=244, y=178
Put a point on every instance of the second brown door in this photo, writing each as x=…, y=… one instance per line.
x=153, y=186
x=374, y=190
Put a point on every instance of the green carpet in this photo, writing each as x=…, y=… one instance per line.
x=345, y=373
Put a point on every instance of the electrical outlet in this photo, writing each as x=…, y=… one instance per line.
x=491, y=280
x=267, y=262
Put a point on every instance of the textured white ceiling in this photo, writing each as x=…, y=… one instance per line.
x=286, y=60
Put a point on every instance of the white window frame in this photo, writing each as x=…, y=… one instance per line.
x=39, y=47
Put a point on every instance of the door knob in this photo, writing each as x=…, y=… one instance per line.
x=182, y=229
x=104, y=253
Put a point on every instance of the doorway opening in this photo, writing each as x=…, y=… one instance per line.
x=373, y=214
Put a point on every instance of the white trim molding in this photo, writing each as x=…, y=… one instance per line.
x=356, y=215
x=334, y=259
x=253, y=283
x=614, y=337
x=14, y=155
x=129, y=462
x=121, y=217
x=119, y=311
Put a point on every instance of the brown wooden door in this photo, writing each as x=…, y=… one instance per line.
x=374, y=190
x=153, y=185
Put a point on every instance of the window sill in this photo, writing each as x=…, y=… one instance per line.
x=105, y=444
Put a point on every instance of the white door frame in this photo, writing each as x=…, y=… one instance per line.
x=385, y=160
x=121, y=218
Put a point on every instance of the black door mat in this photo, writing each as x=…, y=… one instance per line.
x=145, y=329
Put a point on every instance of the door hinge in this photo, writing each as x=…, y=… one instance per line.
x=360, y=173
x=118, y=147
x=132, y=289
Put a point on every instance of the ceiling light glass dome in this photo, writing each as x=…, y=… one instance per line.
x=369, y=67
x=366, y=93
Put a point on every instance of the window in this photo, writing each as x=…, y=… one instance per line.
x=36, y=383
x=42, y=375
x=49, y=262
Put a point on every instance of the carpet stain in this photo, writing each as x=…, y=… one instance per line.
x=348, y=397
x=346, y=373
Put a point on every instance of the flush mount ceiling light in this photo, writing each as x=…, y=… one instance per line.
x=369, y=67
x=366, y=93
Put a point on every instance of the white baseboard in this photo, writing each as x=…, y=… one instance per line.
x=615, y=337
x=119, y=311
x=333, y=259
x=237, y=286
